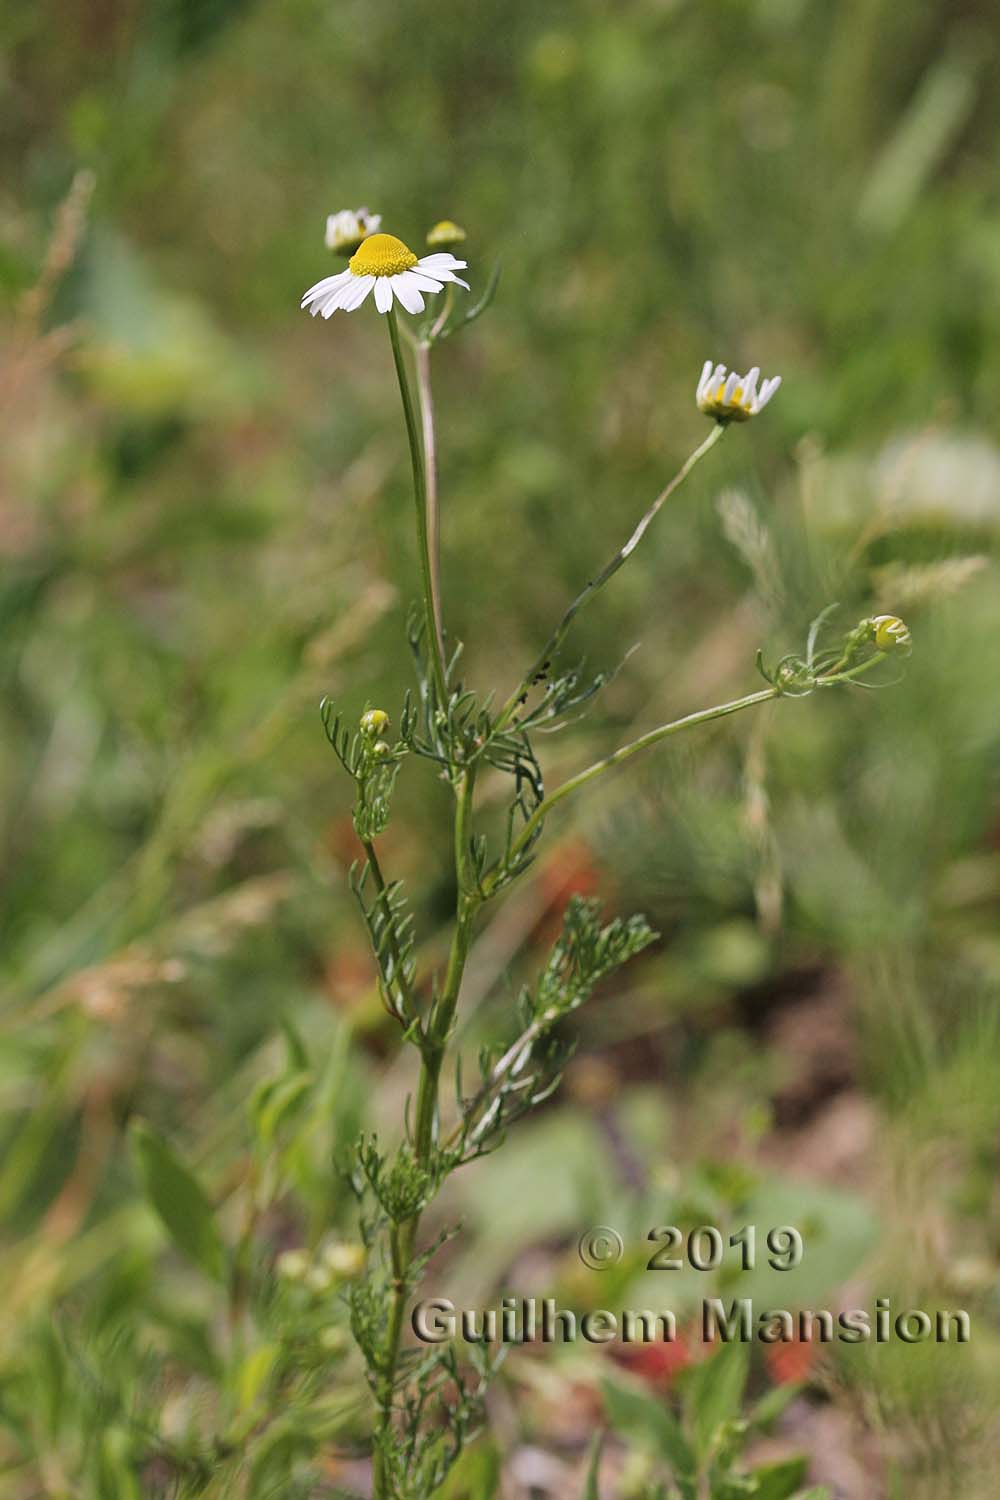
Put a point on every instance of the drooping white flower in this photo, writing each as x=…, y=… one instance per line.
x=346, y=230
x=386, y=266
x=891, y=634
x=733, y=398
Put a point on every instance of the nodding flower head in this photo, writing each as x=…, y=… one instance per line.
x=445, y=235
x=891, y=635
x=383, y=264
x=733, y=398
x=346, y=230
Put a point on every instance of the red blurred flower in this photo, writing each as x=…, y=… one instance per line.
x=789, y=1363
x=657, y=1363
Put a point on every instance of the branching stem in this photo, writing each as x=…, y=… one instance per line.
x=433, y=1033
x=653, y=737
x=432, y=1050
x=555, y=640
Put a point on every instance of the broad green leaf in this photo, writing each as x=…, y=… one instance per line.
x=714, y=1393
x=769, y=1408
x=779, y=1481
x=475, y=1476
x=642, y=1417
x=179, y=1200
x=838, y=1231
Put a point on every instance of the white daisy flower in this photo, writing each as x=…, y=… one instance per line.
x=386, y=266
x=733, y=398
x=346, y=230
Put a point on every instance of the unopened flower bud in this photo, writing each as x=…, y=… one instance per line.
x=381, y=751
x=344, y=1259
x=892, y=635
x=334, y=1340
x=318, y=1279
x=292, y=1265
x=374, y=723
x=445, y=235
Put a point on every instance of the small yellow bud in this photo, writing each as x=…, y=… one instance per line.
x=374, y=723
x=891, y=635
x=445, y=235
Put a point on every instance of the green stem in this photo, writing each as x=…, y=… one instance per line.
x=555, y=640
x=422, y=360
x=401, y=1253
x=653, y=737
x=434, y=643
x=433, y=1046
x=442, y=1015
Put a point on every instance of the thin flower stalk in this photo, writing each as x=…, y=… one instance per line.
x=596, y=583
x=428, y=569
x=625, y=752
x=664, y=731
x=425, y=396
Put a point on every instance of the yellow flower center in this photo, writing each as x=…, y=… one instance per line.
x=736, y=409
x=381, y=255
x=735, y=400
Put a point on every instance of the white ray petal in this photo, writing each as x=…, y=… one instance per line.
x=424, y=282
x=357, y=294
x=329, y=304
x=383, y=294
x=336, y=298
x=408, y=292
x=320, y=290
x=442, y=261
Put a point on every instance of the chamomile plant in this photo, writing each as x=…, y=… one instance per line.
x=427, y=1404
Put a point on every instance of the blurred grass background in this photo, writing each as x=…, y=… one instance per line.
x=204, y=526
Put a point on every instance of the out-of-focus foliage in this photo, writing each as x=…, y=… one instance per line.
x=203, y=501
